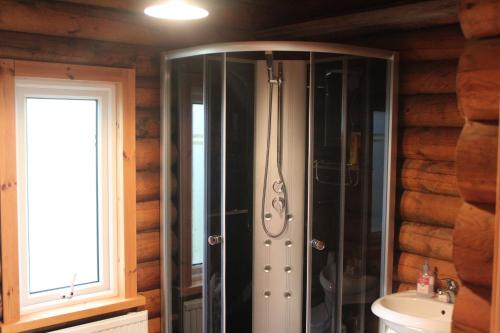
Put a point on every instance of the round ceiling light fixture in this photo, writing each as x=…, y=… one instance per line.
x=176, y=10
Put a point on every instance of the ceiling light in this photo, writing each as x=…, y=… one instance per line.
x=176, y=10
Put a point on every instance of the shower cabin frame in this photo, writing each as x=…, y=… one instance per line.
x=390, y=160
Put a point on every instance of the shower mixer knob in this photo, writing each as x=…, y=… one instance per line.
x=318, y=245
x=279, y=204
x=278, y=186
x=214, y=240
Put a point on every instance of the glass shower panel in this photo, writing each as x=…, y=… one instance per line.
x=326, y=189
x=240, y=106
x=367, y=114
x=214, y=281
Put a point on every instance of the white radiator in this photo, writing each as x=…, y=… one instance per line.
x=136, y=322
x=193, y=316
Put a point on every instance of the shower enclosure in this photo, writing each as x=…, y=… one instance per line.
x=278, y=187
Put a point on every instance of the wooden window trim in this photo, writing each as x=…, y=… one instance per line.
x=189, y=93
x=125, y=81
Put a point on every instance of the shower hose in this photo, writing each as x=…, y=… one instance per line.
x=286, y=216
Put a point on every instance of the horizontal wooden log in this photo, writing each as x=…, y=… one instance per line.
x=402, y=17
x=471, y=312
x=148, y=246
x=148, y=185
x=473, y=242
x=438, y=210
x=436, y=144
x=69, y=20
x=148, y=276
x=147, y=123
x=436, y=43
x=148, y=93
x=429, y=177
x=477, y=162
x=154, y=325
x=431, y=77
x=477, y=80
x=147, y=156
x=408, y=267
x=35, y=47
x=425, y=240
x=148, y=215
x=438, y=110
x=479, y=18
x=153, y=302
x=402, y=287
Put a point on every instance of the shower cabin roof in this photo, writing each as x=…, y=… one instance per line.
x=282, y=46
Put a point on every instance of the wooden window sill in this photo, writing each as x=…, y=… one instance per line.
x=193, y=290
x=71, y=313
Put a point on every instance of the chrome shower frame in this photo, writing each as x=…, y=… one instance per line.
x=390, y=159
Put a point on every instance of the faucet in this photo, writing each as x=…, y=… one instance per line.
x=448, y=294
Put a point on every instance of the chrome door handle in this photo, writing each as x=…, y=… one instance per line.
x=214, y=240
x=318, y=245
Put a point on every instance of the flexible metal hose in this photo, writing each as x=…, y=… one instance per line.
x=286, y=216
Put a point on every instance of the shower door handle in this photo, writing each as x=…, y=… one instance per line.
x=214, y=240
x=318, y=245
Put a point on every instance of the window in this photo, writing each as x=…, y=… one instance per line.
x=191, y=173
x=67, y=196
x=198, y=189
x=67, y=193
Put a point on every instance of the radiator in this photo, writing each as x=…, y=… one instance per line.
x=193, y=316
x=136, y=322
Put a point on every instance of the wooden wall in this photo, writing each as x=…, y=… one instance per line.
x=146, y=61
x=478, y=91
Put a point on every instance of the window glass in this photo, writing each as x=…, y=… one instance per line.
x=63, y=212
x=198, y=183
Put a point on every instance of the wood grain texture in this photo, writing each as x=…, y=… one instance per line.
x=148, y=215
x=439, y=110
x=153, y=302
x=154, y=325
x=435, y=144
x=478, y=83
x=425, y=240
x=436, y=43
x=148, y=246
x=148, y=185
x=430, y=77
x=437, y=177
x=407, y=16
x=479, y=18
x=148, y=123
x=8, y=194
x=437, y=210
x=148, y=275
x=147, y=154
x=25, y=46
x=70, y=20
x=476, y=167
x=408, y=266
x=471, y=312
x=473, y=242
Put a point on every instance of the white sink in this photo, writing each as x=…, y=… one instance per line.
x=408, y=313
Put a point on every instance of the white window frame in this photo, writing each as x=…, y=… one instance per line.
x=110, y=141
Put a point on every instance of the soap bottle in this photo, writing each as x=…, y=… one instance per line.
x=425, y=282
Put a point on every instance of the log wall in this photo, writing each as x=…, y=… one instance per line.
x=429, y=128
x=478, y=92
x=146, y=61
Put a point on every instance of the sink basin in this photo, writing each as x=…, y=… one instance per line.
x=406, y=312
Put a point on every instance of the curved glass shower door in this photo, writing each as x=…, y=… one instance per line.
x=278, y=169
x=350, y=122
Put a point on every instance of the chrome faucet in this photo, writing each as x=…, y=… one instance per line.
x=449, y=293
